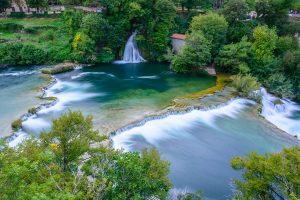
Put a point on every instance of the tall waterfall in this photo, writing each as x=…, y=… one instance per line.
x=281, y=112
x=131, y=53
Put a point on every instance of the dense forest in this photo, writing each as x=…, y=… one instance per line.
x=73, y=161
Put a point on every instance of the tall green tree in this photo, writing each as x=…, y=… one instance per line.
x=273, y=176
x=194, y=56
x=235, y=10
x=129, y=175
x=235, y=58
x=214, y=27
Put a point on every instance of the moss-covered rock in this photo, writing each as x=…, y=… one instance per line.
x=60, y=68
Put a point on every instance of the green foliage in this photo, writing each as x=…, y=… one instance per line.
x=83, y=48
x=73, y=20
x=214, y=27
x=94, y=26
x=37, y=4
x=11, y=27
x=235, y=10
x=105, y=56
x=235, y=58
x=59, y=54
x=280, y=85
x=245, y=84
x=32, y=110
x=10, y=53
x=194, y=55
x=273, y=176
x=131, y=175
x=16, y=125
x=264, y=42
x=286, y=43
x=73, y=134
x=32, y=55
x=4, y=4
x=69, y=162
x=274, y=13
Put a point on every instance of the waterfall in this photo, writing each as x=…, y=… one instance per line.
x=131, y=53
x=281, y=112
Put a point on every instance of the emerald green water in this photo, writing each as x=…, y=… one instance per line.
x=116, y=94
x=19, y=88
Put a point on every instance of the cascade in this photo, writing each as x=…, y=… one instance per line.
x=280, y=112
x=131, y=52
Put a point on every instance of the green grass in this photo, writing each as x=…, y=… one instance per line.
x=43, y=25
x=32, y=22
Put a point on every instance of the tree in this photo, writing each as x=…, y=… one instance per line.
x=285, y=43
x=37, y=4
x=235, y=58
x=130, y=175
x=73, y=135
x=83, y=48
x=235, y=10
x=264, y=42
x=194, y=55
x=214, y=27
x=274, y=13
x=273, y=176
x=4, y=4
x=94, y=26
x=69, y=162
x=73, y=20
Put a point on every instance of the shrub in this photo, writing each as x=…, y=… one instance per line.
x=245, y=84
x=32, y=55
x=105, y=56
x=17, y=15
x=58, y=54
x=47, y=35
x=280, y=85
x=16, y=125
x=32, y=111
x=10, y=53
x=30, y=30
x=83, y=49
x=11, y=27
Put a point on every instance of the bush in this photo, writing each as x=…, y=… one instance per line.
x=32, y=55
x=105, y=56
x=30, y=30
x=245, y=84
x=11, y=27
x=16, y=125
x=280, y=86
x=32, y=111
x=58, y=54
x=17, y=15
x=47, y=36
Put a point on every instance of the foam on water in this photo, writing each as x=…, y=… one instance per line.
x=22, y=73
x=171, y=126
x=91, y=73
x=280, y=113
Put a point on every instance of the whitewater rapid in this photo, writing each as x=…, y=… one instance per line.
x=281, y=113
x=170, y=127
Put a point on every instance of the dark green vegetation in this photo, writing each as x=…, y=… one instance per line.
x=264, y=48
x=274, y=176
x=70, y=162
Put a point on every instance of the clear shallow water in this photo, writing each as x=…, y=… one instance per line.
x=19, y=87
x=200, y=144
x=116, y=94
